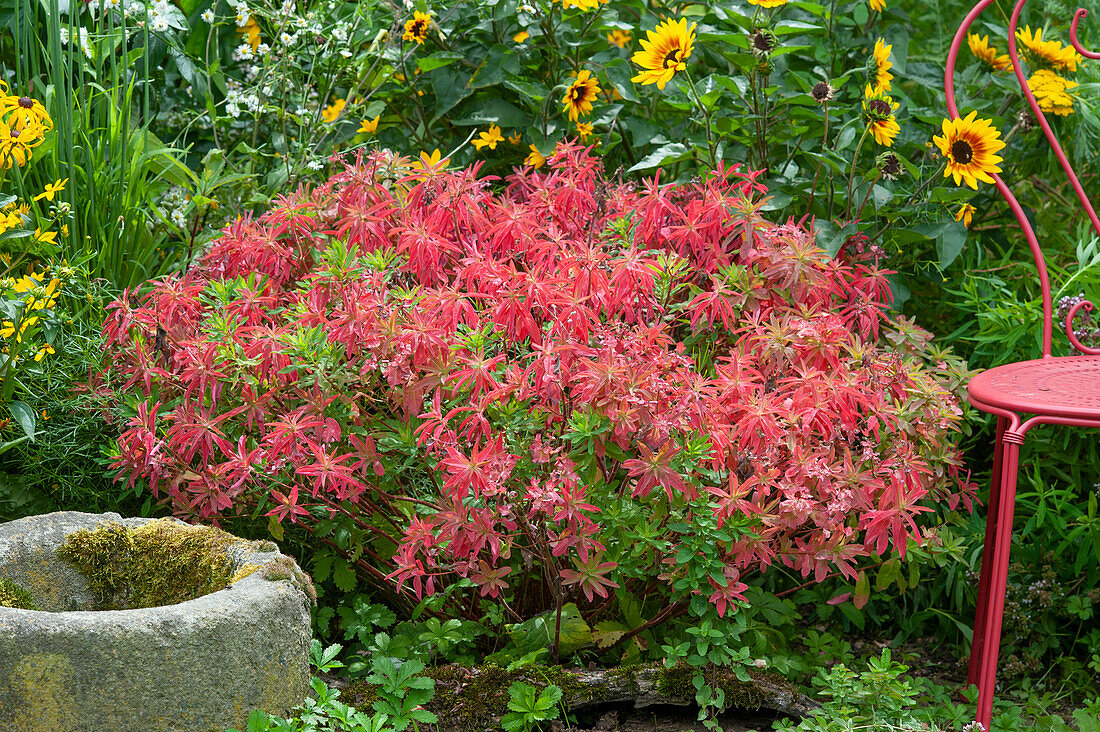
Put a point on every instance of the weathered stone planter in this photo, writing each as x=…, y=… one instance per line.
x=200, y=664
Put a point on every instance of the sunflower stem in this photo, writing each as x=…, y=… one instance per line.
x=852, y=173
x=706, y=117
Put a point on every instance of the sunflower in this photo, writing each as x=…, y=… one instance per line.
x=584, y=130
x=878, y=109
x=665, y=51
x=417, y=27
x=580, y=95
x=878, y=5
x=619, y=38
x=582, y=4
x=970, y=146
x=965, y=214
x=535, y=159
x=1050, y=54
x=768, y=3
x=881, y=58
x=979, y=46
x=489, y=139
x=1052, y=92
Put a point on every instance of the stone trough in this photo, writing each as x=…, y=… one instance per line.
x=164, y=626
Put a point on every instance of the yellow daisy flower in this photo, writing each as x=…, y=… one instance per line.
x=665, y=51
x=768, y=3
x=52, y=189
x=584, y=130
x=965, y=214
x=521, y=36
x=251, y=33
x=515, y=137
x=47, y=348
x=881, y=56
x=580, y=95
x=535, y=159
x=332, y=111
x=619, y=38
x=370, y=126
x=970, y=146
x=417, y=27
x=489, y=139
x=979, y=46
x=878, y=110
x=432, y=160
x=1047, y=53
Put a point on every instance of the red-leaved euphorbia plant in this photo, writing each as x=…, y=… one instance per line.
x=546, y=389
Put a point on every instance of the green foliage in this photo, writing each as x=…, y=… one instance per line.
x=402, y=692
x=529, y=706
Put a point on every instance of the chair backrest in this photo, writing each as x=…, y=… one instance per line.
x=1029, y=232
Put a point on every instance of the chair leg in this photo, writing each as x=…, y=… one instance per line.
x=987, y=553
x=991, y=634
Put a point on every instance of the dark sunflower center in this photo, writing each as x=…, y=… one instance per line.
x=820, y=91
x=761, y=42
x=26, y=102
x=879, y=108
x=672, y=58
x=962, y=151
x=419, y=28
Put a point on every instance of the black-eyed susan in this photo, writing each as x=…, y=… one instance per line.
x=619, y=38
x=24, y=113
x=534, y=158
x=878, y=111
x=1052, y=92
x=970, y=146
x=489, y=139
x=965, y=214
x=46, y=348
x=580, y=94
x=880, y=57
x=665, y=51
x=417, y=27
x=51, y=190
x=332, y=112
x=521, y=36
x=1048, y=54
x=979, y=46
x=584, y=131
x=16, y=144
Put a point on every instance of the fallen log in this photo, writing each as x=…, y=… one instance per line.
x=473, y=699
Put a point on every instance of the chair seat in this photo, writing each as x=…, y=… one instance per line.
x=1064, y=386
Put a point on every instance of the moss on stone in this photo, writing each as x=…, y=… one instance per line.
x=12, y=595
x=163, y=562
x=284, y=568
x=243, y=571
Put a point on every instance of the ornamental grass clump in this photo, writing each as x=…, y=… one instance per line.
x=547, y=392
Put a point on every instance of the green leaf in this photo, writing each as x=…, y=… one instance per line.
x=438, y=60
x=24, y=415
x=344, y=577
x=538, y=632
x=663, y=155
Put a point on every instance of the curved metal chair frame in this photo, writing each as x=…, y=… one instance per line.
x=1052, y=390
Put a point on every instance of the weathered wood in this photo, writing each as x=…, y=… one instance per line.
x=473, y=699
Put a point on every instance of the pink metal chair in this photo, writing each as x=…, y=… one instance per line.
x=1052, y=390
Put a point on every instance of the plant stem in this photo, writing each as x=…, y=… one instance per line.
x=852, y=173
